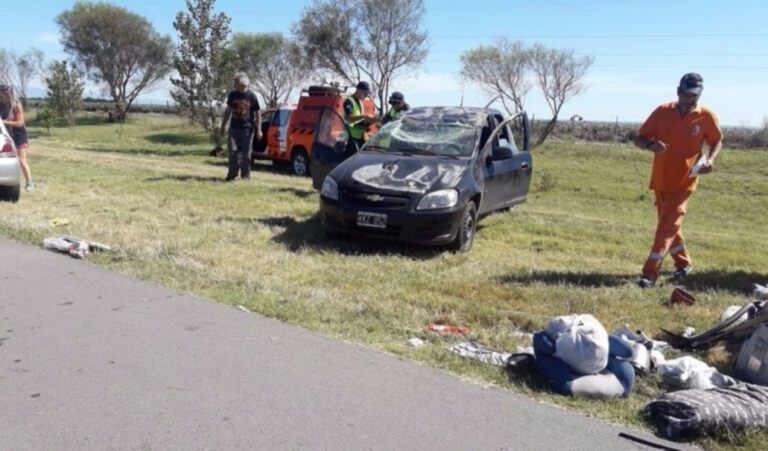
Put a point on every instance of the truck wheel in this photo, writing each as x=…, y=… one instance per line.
x=466, y=234
x=300, y=163
x=10, y=193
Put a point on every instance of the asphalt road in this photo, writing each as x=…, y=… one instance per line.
x=91, y=359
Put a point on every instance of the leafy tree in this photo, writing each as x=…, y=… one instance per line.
x=204, y=65
x=27, y=65
x=117, y=48
x=501, y=70
x=375, y=40
x=560, y=75
x=65, y=91
x=274, y=62
x=506, y=68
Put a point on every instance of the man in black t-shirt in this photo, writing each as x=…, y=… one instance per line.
x=243, y=114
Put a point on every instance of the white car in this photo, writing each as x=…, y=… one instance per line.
x=10, y=171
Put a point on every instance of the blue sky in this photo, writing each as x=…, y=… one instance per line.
x=641, y=47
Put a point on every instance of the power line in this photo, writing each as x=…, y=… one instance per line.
x=719, y=55
x=647, y=66
x=607, y=36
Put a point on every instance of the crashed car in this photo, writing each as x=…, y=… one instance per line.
x=424, y=179
x=10, y=170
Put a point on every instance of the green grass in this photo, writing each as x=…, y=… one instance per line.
x=149, y=189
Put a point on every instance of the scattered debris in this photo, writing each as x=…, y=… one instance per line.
x=58, y=222
x=416, y=342
x=759, y=292
x=732, y=310
x=476, y=351
x=732, y=331
x=706, y=412
x=580, y=341
x=646, y=353
x=447, y=329
x=520, y=334
x=752, y=362
x=244, y=308
x=76, y=247
x=689, y=372
x=593, y=365
x=680, y=297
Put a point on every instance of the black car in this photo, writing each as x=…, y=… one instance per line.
x=424, y=179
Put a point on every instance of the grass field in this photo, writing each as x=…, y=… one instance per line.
x=149, y=190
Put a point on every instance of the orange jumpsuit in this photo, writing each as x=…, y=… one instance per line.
x=685, y=137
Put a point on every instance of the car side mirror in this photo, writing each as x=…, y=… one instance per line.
x=502, y=153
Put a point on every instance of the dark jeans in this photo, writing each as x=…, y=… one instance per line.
x=239, y=153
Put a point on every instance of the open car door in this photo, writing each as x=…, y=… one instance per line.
x=330, y=147
x=507, y=163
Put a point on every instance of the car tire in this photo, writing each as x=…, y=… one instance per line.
x=10, y=193
x=466, y=233
x=300, y=163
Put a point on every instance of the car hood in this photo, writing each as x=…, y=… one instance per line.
x=392, y=172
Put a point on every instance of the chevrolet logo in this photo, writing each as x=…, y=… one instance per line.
x=374, y=197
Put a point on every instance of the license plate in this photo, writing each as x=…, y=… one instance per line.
x=373, y=220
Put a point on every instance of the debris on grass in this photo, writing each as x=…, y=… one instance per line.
x=415, y=342
x=58, y=222
x=76, y=247
x=447, y=329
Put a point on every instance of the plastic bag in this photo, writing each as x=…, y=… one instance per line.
x=581, y=342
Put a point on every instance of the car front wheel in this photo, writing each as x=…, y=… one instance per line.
x=300, y=163
x=466, y=234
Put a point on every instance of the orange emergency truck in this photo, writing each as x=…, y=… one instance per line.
x=288, y=131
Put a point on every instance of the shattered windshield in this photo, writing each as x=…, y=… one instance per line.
x=428, y=133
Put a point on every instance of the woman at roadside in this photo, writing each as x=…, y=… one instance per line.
x=12, y=114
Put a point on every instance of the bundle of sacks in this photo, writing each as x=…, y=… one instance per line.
x=578, y=358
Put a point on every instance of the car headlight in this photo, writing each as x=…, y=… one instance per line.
x=330, y=189
x=439, y=199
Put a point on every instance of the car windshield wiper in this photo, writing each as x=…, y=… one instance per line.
x=375, y=148
x=378, y=148
x=429, y=152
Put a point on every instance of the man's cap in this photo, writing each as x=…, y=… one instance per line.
x=396, y=97
x=364, y=86
x=692, y=83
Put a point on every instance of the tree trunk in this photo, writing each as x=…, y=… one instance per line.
x=546, y=132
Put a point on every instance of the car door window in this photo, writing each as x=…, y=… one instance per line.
x=517, y=132
x=506, y=136
x=266, y=118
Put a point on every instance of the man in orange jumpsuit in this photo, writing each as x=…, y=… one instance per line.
x=676, y=132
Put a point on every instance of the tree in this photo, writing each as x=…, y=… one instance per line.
x=6, y=67
x=274, y=62
x=560, y=75
x=204, y=66
x=27, y=65
x=501, y=70
x=65, y=90
x=364, y=39
x=117, y=48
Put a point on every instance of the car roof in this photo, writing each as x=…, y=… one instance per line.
x=471, y=116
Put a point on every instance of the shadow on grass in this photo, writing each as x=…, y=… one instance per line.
x=146, y=151
x=734, y=281
x=177, y=139
x=309, y=234
x=186, y=178
x=300, y=193
x=580, y=279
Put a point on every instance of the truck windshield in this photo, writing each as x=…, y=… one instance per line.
x=414, y=136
